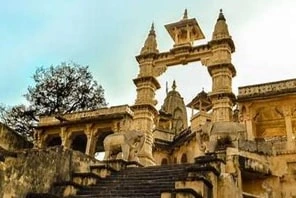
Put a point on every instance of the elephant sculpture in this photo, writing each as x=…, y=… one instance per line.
x=129, y=143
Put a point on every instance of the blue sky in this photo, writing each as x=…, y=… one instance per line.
x=107, y=35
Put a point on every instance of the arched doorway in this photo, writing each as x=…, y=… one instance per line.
x=164, y=161
x=79, y=142
x=53, y=141
x=99, y=147
x=184, y=158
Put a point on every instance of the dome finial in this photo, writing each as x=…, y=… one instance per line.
x=174, y=86
x=150, y=45
x=166, y=88
x=152, y=31
x=185, y=16
x=221, y=16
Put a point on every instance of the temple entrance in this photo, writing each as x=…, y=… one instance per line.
x=79, y=143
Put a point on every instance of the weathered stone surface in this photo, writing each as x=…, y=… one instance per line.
x=36, y=170
x=265, y=148
x=10, y=140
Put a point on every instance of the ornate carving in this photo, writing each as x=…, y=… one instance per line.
x=204, y=61
x=285, y=86
x=158, y=70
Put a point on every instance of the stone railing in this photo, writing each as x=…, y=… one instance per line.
x=123, y=109
x=267, y=89
x=257, y=147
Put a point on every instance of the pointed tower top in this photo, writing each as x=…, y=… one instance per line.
x=221, y=16
x=152, y=31
x=174, y=86
x=166, y=87
x=185, y=16
x=150, y=45
x=221, y=29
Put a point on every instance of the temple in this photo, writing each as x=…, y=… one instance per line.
x=231, y=145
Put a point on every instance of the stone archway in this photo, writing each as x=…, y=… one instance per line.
x=164, y=161
x=79, y=142
x=53, y=141
x=99, y=150
x=215, y=55
x=184, y=158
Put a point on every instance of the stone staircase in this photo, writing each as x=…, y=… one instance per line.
x=167, y=181
x=138, y=182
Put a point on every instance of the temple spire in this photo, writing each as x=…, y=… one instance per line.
x=174, y=86
x=185, y=16
x=150, y=45
x=166, y=88
x=221, y=16
x=152, y=31
x=221, y=29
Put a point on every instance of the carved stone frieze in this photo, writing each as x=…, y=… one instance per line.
x=267, y=89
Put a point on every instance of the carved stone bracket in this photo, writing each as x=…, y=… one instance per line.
x=158, y=70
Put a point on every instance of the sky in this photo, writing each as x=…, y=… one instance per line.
x=107, y=35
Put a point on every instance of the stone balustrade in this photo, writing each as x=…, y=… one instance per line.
x=267, y=89
x=263, y=147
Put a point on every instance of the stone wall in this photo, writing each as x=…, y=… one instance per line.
x=10, y=140
x=36, y=170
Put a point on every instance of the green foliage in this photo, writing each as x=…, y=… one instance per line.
x=60, y=89
x=19, y=118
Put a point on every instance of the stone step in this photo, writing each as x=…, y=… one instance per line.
x=41, y=195
x=152, y=188
x=147, y=195
x=85, y=178
x=138, y=181
x=150, y=177
x=122, y=194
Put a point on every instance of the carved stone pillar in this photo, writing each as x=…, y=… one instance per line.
x=65, y=137
x=249, y=124
x=145, y=114
x=144, y=121
x=90, y=140
x=38, y=143
x=289, y=127
x=222, y=71
x=250, y=128
x=144, y=109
